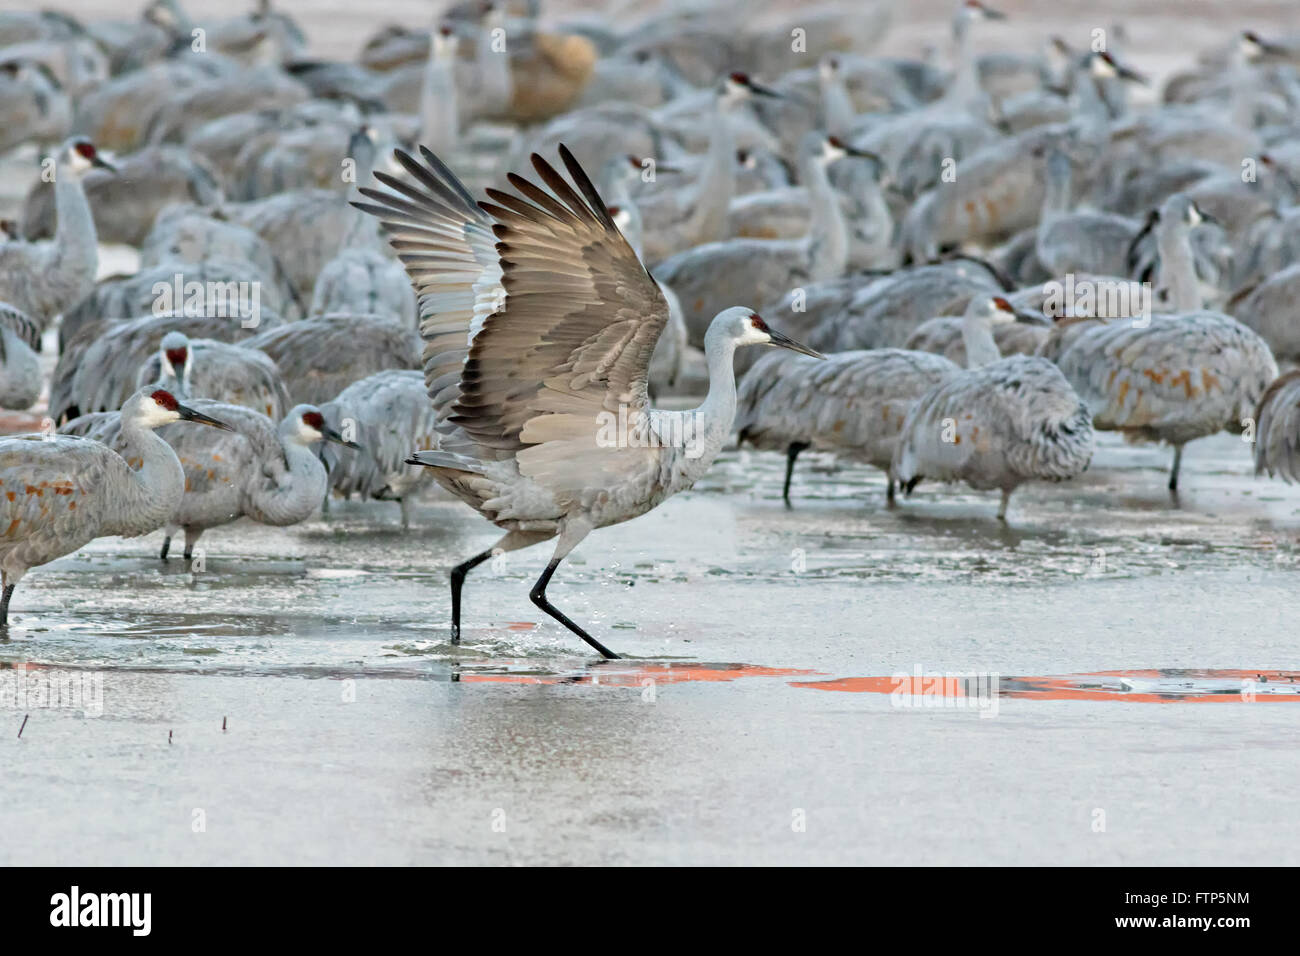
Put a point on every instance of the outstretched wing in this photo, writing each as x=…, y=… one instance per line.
x=446, y=244
x=576, y=321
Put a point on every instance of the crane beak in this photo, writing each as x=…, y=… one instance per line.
x=331, y=435
x=767, y=91
x=1030, y=317
x=785, y=342
x=188, y=414
x=865, y=154
x=100, y=163
x=1132, y=76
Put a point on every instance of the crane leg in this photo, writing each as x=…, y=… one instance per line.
x=458, y=574
x=191, y=538
x=167, y=543
x=791, y=454
x=889, y=493
x=569, y=539
x=1173, y=472
x=406, y=513
x=511, y=542
x=1006, y=500
x=4, y=604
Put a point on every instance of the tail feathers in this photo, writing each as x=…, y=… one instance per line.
x=449, y=461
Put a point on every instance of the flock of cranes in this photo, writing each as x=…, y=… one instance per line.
x=362, y=307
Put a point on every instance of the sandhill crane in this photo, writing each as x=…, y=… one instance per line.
x=127, y=199
x=1270, y=310
x=1177, y=284
x=363, y=277
x=784, y=212
x=102, y=361
x=219, y=371
x=710, y=275
x=20, y=367
x=853, y=404
x=43, y=279
x=944, y=336
x=261, y=470
x=1277, y=435
x=439, y=117
x=1082, y=241
x=532, y=340
x=999, y=423
x=884, y=313
x=917, y=143
x=321, y=356
x=187, y=234
x=62, y=492
x=679, y=219
x=34, y=107
x=1167, y=377
x=390, y=415
x=219, y=288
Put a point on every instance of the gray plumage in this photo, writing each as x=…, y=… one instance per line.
x=1277, y=435
x=997, y=424
x=321, y=356
x=126, y=201
x=539, y=322
x=1272, y=310
x=103, y=360
x=261, y=470
x=943, y=336
x=389, y=416
x=43, y=279
x=362, y=277
x=708, y=277
x=885, y=313
x=21, y=377
x=227, y=290
x=219, y=371
x=61, y=492
x=1171, y=378
x=1079, y=241
x=853, y=403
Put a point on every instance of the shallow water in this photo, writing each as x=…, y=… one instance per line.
x=355, y=731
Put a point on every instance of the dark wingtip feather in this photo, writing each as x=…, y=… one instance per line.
x=586, y=186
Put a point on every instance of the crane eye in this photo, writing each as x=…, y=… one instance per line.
x=314, y=419
x=165, y=400
x=758, y=323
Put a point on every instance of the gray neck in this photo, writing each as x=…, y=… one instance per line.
x=75, y=241
x=965, y=82
x=1091, y=109
x=977, y=336
x=362, y=230
x=439, y=117
x=837, y=106
x=1177, y=267
x=1056, y=197
x=828, y=235
x=716, y=184
x=150, y=495
x=707, y=427
x=297, y=494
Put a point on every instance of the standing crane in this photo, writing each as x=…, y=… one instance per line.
x=59, y=492
x=539, y=322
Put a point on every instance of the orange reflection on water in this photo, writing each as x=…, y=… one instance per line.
x=1138, y=686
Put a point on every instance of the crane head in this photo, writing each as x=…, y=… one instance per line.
x=311, y=427
x=162, y=408
x=746, y=327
